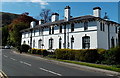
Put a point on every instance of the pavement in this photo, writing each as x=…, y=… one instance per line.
x=16, y=64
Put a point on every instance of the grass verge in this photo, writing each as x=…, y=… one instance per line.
x=107, y=67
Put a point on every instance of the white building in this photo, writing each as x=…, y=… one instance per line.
x=84, y=32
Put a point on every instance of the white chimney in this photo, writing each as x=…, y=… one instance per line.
x=41, y=21
x=97, y=12
x=55, y=17
x=32, y=24
x=67, y=13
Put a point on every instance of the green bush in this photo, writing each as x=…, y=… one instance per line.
x=112, y=56
x=89, y=55
x=67, y=54
x=101, y=53
x=24, y=48
x=33, y=51
x=39, y=51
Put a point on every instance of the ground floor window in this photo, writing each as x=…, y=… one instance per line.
x=40, y=44
x=72, y=41
x=50, y=43
x=86, y=42
x=116, y=41
x=112, y=42
x=33, y=43
x=24, y=42
x=60, y=43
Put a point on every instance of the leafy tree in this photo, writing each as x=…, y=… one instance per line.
x=22, y=22
x=4, y=35
x=119, y=37
x=15, y=35
x=46, y=15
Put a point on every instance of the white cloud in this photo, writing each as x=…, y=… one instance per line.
x=42, y=3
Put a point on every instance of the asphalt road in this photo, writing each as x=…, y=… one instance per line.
x=14, y=64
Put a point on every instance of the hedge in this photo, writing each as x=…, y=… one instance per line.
x=112, y=56
x=38, y=51
x=87, y=55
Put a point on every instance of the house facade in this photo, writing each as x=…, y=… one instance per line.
x=84, y=32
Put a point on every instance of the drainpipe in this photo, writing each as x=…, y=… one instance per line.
x=31, y=38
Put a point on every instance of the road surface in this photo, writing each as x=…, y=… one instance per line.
x=15, y=64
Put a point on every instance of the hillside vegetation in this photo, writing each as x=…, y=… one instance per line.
x=7, y=18
x=11, y=26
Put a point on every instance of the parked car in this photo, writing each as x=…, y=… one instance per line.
x=7, y=47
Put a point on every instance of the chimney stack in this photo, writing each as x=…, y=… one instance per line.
x=55, y=17
x=67, y=13
x=32, y=24
x=97, y=12
x=41, y=21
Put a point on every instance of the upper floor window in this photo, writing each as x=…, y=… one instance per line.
x=50, y=30
x=72, y=27
x=116, y=29
x=34, y=32
x=101, y=26
x=60, y=29
x=39, y=31
x=85, y=25
x=86, y=42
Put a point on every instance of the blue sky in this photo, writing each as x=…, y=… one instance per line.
x=77, y=8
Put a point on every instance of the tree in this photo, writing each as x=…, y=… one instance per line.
x=119, y=37
x=4, y=35
x=46, y=15
x=15, y=35
x=22, y=22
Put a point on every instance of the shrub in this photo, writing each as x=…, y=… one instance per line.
x=89, y=55
x=24, y=48
x=101, y=53
x=112, y=56
x=67, y=54
x=33, y=51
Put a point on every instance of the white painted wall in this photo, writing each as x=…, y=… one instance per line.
x=98, y=38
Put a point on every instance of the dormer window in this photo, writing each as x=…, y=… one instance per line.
x=85, y=25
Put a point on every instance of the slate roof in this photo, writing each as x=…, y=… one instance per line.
x=81, y=18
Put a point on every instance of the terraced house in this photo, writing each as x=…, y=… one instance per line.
x=84, y=32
